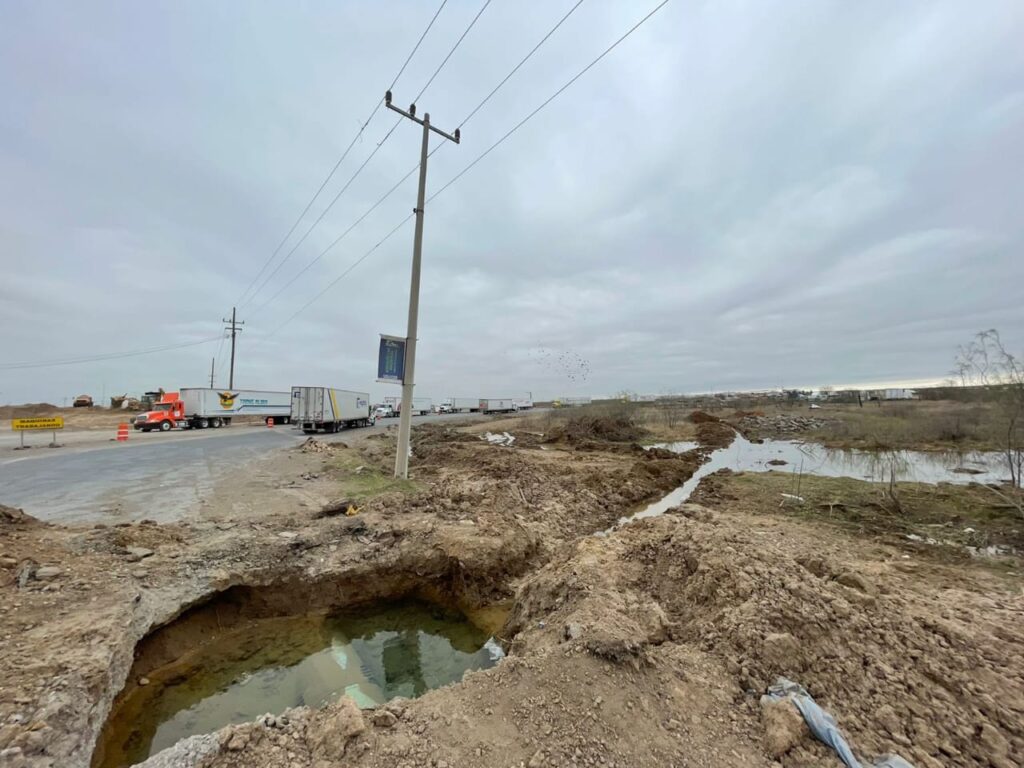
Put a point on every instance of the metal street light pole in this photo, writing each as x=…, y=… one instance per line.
x=405, y=419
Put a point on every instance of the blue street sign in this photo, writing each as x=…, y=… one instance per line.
x=391, y=360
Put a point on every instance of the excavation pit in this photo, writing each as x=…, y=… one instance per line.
x=223, y=663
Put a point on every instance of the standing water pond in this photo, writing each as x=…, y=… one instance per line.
x=268, y=665
x=799, y=458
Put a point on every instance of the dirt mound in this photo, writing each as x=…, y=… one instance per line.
x=715, y=434
x=592, y=427
x=939, y=682
x=26, y=410
x=703, y=417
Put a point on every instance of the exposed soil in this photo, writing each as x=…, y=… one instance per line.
x=649, y=646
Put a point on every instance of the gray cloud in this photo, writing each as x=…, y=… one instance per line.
x=742, y=195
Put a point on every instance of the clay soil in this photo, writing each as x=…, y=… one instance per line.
x=648, y=646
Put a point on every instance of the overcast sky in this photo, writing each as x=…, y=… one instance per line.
x=742, y=195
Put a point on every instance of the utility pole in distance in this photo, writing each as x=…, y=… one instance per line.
x=212, y=361
x=233, y=324
x=405, y=420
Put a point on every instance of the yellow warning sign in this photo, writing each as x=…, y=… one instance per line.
x=38, y=422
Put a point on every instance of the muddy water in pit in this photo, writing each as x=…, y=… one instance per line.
x=269, y=665
x=812, y=459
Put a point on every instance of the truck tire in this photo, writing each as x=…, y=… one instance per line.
x=215, y=423
x=287, y=420
x=165, y=426
x=204, y=423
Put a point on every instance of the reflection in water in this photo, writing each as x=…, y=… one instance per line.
x=270, y=665
x=812, y=459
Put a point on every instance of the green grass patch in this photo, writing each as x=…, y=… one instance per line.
x=360, y=479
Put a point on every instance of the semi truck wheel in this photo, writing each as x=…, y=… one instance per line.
x=204, y=423
x=165, y=426
x=215, y=423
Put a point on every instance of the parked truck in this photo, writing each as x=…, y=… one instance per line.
x=570, y=402
x=497, y=405
x=421, y=406
x=460, y=405
x=327, y=409
x=199, y=408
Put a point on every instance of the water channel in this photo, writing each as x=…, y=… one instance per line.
x=795, y=457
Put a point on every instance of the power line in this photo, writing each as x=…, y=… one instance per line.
x=476, y=160
x=340, y=237
x=548, y=100
x=107, y=356
x=480, y=157
x=412, y=170
x=323, y=213
x=374, y=152
x=338, y=279
x=341, y=159
x=454, y=48
x=523, y=61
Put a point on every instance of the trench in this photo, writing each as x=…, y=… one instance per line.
x=249, y=651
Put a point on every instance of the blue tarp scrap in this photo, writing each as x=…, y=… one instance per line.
x=824, y=727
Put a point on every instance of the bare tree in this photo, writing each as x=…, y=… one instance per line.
x=985, y=362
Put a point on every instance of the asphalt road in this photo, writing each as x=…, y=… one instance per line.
x=157, y=476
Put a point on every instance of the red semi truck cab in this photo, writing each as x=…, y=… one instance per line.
x=168, y=412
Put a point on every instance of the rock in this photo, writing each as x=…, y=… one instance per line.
x=341, y=726
x=140, y=573
x=382, y=718
x=8, y=562
x=25, y=571
x=781, y=651
x=573, y=631
x=138, y=553
x=854, y=581
x=995, y=742
x=784, y=726
x=47, y=572
x=238, y=741
x=143, y=681
x=288, y=535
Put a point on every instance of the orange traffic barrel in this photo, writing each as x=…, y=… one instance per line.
x=270, y=421
x=122, y=433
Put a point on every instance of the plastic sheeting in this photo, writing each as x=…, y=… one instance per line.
x=824, y=726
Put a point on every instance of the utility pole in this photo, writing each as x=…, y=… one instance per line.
x=405, y=420
x=232, y=325
x=212, y=361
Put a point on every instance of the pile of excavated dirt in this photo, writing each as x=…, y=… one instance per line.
x=648, y=646
x=478, y=519
x=934, y=674
x=589, y=427
x=26, y=410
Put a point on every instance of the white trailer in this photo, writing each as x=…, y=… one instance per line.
x=421, y=406
x=572, y=402
x=329, y=409
x=523, y=403
x=202, y=407
x=463, y=404
x=497, y=405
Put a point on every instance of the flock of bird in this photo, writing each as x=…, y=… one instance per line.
x=569, y=364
